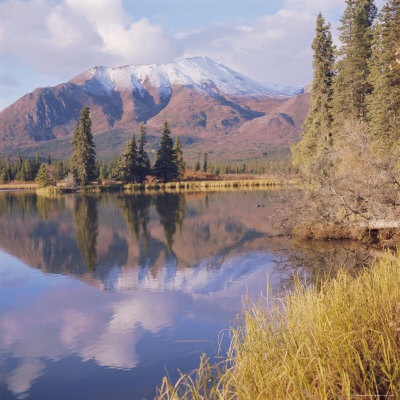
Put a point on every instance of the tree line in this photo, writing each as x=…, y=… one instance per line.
x=26, y=170
x=350, y=146
x=134, y=165
x=83, y=168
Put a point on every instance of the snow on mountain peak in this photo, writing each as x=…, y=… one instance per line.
x=200, y=73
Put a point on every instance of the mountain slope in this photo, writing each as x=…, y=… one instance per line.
x=200, y=98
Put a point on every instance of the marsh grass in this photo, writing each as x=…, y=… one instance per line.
x=18, y=186
x=204, y=185
x=332, y=341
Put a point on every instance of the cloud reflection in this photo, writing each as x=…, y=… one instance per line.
x=72, y=318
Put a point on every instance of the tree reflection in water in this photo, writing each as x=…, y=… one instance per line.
x=314, y=261
x=136, y=211
x=86, y=222
x=171, y=211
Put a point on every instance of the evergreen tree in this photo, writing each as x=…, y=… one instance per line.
x=19, y=163
x=205, y=162
x=129, y=162
x=143, y=157
x=180, y=162
x=83, y=157
x=36, y=163
x=317, y=128
x=48, y=159
x=165, y=167
x=197, y=167
x=351, y=82
x=384, y=102
x=8, y=176
x=43, y=177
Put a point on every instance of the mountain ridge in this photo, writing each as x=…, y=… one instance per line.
x=200, y=98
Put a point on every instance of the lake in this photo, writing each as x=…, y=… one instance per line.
x=102, y=295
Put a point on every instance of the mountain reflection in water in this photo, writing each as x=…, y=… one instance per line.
x=99, y=292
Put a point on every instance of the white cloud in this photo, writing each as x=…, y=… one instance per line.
x=74, y=35
x=315, y=5
x=57, y=40
x=274, y=49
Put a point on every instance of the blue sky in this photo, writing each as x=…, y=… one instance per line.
x=45, y=42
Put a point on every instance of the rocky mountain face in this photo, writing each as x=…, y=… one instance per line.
x=201, y=99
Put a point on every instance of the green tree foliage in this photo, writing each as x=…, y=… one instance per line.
x=129, y=162
x=83, y=156
x=384, y=102
x=317, y=128
x=180, y=162
x=165, y=167
x=197, y=167
x=43, y=178
x=205, y=162
x=351, y=82
x=143, y=157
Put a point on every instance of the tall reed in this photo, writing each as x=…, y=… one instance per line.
x=339, y=340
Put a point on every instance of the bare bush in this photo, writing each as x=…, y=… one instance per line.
x=359, y=191
x=70, y=182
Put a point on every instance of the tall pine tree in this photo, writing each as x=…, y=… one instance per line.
x=165, y=167
x=317, y=128
x=83, y=156
x=384, y=102
x=129, y=162
x=180, y=162
x=351, y=82
x=143, y=157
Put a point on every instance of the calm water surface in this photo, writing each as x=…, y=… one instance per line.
x=101, y=294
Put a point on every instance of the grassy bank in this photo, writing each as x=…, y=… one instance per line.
x=337, y=341
x=204, y=185
x=172, y=186
x=18, y=186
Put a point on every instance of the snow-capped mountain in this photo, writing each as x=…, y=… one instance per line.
x=204, y=101
x=199, y=73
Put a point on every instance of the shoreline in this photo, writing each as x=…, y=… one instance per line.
x=183, y=186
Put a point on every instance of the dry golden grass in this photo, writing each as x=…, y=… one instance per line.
x=337, y=341
x=18, y=185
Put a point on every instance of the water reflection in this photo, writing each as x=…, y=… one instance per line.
x=116, y=286
x=316, y=261
x=85, y=218
x=136, y=211
x=171, y=211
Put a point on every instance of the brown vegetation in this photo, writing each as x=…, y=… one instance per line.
x=355, y=193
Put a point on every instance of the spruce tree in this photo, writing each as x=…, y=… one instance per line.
x=384, y=102
x=143, y=157
x=129, y=162
x=317, y=128
x=36, y=163
x=43, y=178
x=205, y=162
x=351, y=82
x=180, y=162
x=165, y=167
x=197, y=167
x=83, y=157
